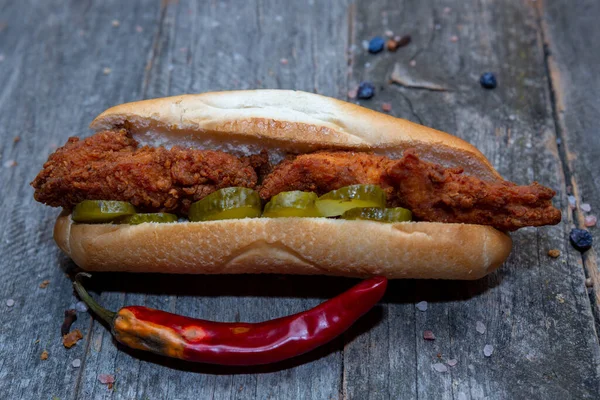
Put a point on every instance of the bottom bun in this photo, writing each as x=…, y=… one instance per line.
x=307, y=246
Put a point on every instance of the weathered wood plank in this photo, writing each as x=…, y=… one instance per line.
x=535, y=309
x=51, y=84
x=574, y=64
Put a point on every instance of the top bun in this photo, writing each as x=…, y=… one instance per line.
x=288, y=120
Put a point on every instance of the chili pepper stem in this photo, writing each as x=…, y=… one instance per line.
x=104, y=314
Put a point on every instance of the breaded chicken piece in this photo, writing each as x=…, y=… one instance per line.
x=430, y=191
x=435, y=193
x=324, y=171
x=111, y=166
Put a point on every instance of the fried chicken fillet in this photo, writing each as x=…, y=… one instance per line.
x=324, y=171
x=435, y=193
x=111, y=166
x=430, y=191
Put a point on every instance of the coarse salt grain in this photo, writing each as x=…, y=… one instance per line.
x=590, y=220
x=421, y=306
x=589, y=282
x=428, y=335
x=439, y=367
x=454, y=38
x=139, y=29
x=10, y=163
x=447, y=10
x=352, y=93
x=572, y=201
x=283, y=61
x=10, y=302
x=488, y=350
x=412, y=63
x=106, y=378
x=452, y=362
x=76, y=363
x=585, y=207
x=81, y=306
x=365, y=44
x=480, y=327
x=106, y=70
x=389, y=33
x=115, y=23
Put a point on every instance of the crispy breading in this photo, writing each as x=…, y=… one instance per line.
x=430, y=191
x=435, y=193
x=324, y=171
x=111, y=166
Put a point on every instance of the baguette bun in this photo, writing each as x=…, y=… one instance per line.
x=244, y=122
x=305, y=246
x=292, y=121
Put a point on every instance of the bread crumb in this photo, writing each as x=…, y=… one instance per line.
x=44, y=284
x=554, y=253
x=44, y=355
x=16, y=139
x=71, y=338
x=387, y=107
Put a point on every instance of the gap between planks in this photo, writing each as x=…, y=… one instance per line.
x=588, y=259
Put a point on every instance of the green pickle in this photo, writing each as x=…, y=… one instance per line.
x=339, y=201
x=292, y=204
x=228, y=203
x=137, y=219
x=397, y=214
x=101, y=211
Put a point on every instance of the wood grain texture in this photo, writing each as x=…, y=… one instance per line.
x=52, y=82
x=533, y=306
x=203, y=46
x=68, y=61
x=573, y=60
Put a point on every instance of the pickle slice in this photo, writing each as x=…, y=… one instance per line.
x=99, y=211
x=137, y=219
x=228, y=203
x=397, y=214
x=346, y=198
x=292, y=204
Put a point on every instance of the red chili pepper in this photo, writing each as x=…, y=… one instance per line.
x=237, y=343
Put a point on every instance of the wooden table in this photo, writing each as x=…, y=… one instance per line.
x=63, y=62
